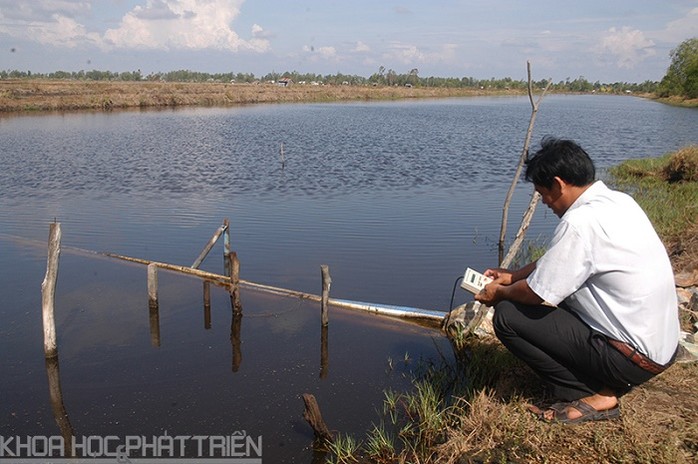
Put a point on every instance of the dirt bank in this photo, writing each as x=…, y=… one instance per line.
x=53, y=95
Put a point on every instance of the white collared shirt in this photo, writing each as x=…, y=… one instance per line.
x=607, y=263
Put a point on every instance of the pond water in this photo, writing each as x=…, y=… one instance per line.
x=396, y=197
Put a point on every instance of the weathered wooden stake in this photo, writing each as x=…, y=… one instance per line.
x=48, y=290
x=235, y=281
x=313, y=416
x=326, y=282
x=153, y=283
x=283, y=157
x=207, y=304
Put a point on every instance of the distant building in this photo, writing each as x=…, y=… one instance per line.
x=284, y=82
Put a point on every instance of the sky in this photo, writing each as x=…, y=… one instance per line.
x=599, y=40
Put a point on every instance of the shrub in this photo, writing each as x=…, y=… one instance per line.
x=683, y=165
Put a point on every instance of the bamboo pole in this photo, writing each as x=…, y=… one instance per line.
x=326, y=282
x=48, y=290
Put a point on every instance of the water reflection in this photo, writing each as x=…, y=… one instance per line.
x=60, y=413
x=236, y=328
x=397, y=197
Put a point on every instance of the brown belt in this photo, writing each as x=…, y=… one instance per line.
x=636, y=357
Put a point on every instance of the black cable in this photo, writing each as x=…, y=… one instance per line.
x=453, y=295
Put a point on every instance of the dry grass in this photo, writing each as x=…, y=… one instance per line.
x=683, y=165
x=53, y=95
x=657, y=426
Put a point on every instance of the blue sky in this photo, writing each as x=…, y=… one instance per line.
x=604, y=40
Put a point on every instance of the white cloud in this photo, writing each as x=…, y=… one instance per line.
x=49, y=22
x=681, y=29
x=411, y=55
x=628, y=46
x=321, y=52
x=184, y=24
x=63, y=31
x=361, y=48
x=153, y=25
x=405, y=53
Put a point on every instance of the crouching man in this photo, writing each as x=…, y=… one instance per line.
x=597, y=314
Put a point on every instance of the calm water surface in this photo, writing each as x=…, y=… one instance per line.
x=397, y=198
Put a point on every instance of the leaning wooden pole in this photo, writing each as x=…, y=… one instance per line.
x=48, y=290
x=209, y=245
x=522, y=159
x=479, y=309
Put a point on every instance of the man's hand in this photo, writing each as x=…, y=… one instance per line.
x=488, y=295
x=501, y=276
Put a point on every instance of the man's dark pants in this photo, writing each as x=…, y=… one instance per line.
x=574, y=359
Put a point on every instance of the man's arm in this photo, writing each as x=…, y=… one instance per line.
x=510, y=286
x=507, y=277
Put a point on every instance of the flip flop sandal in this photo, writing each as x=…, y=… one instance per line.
x=587, y=411
x=540, y=411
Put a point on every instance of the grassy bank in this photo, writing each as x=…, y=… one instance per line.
x=53, y=95
x=472, y=409
x=667, y=189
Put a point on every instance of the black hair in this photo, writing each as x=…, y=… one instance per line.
x=560, y=158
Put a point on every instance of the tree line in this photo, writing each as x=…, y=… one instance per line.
x=681, y=79
x=385, y=78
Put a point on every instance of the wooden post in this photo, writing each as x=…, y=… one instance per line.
x=153, y=283
x=313, y=416
x=207, y=304
x=153, y=304
x=48, y=290
x=283, y=157
x=326, y=282
x=235, y=281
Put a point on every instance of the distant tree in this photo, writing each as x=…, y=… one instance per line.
x=681, y=78
x=413, y=76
